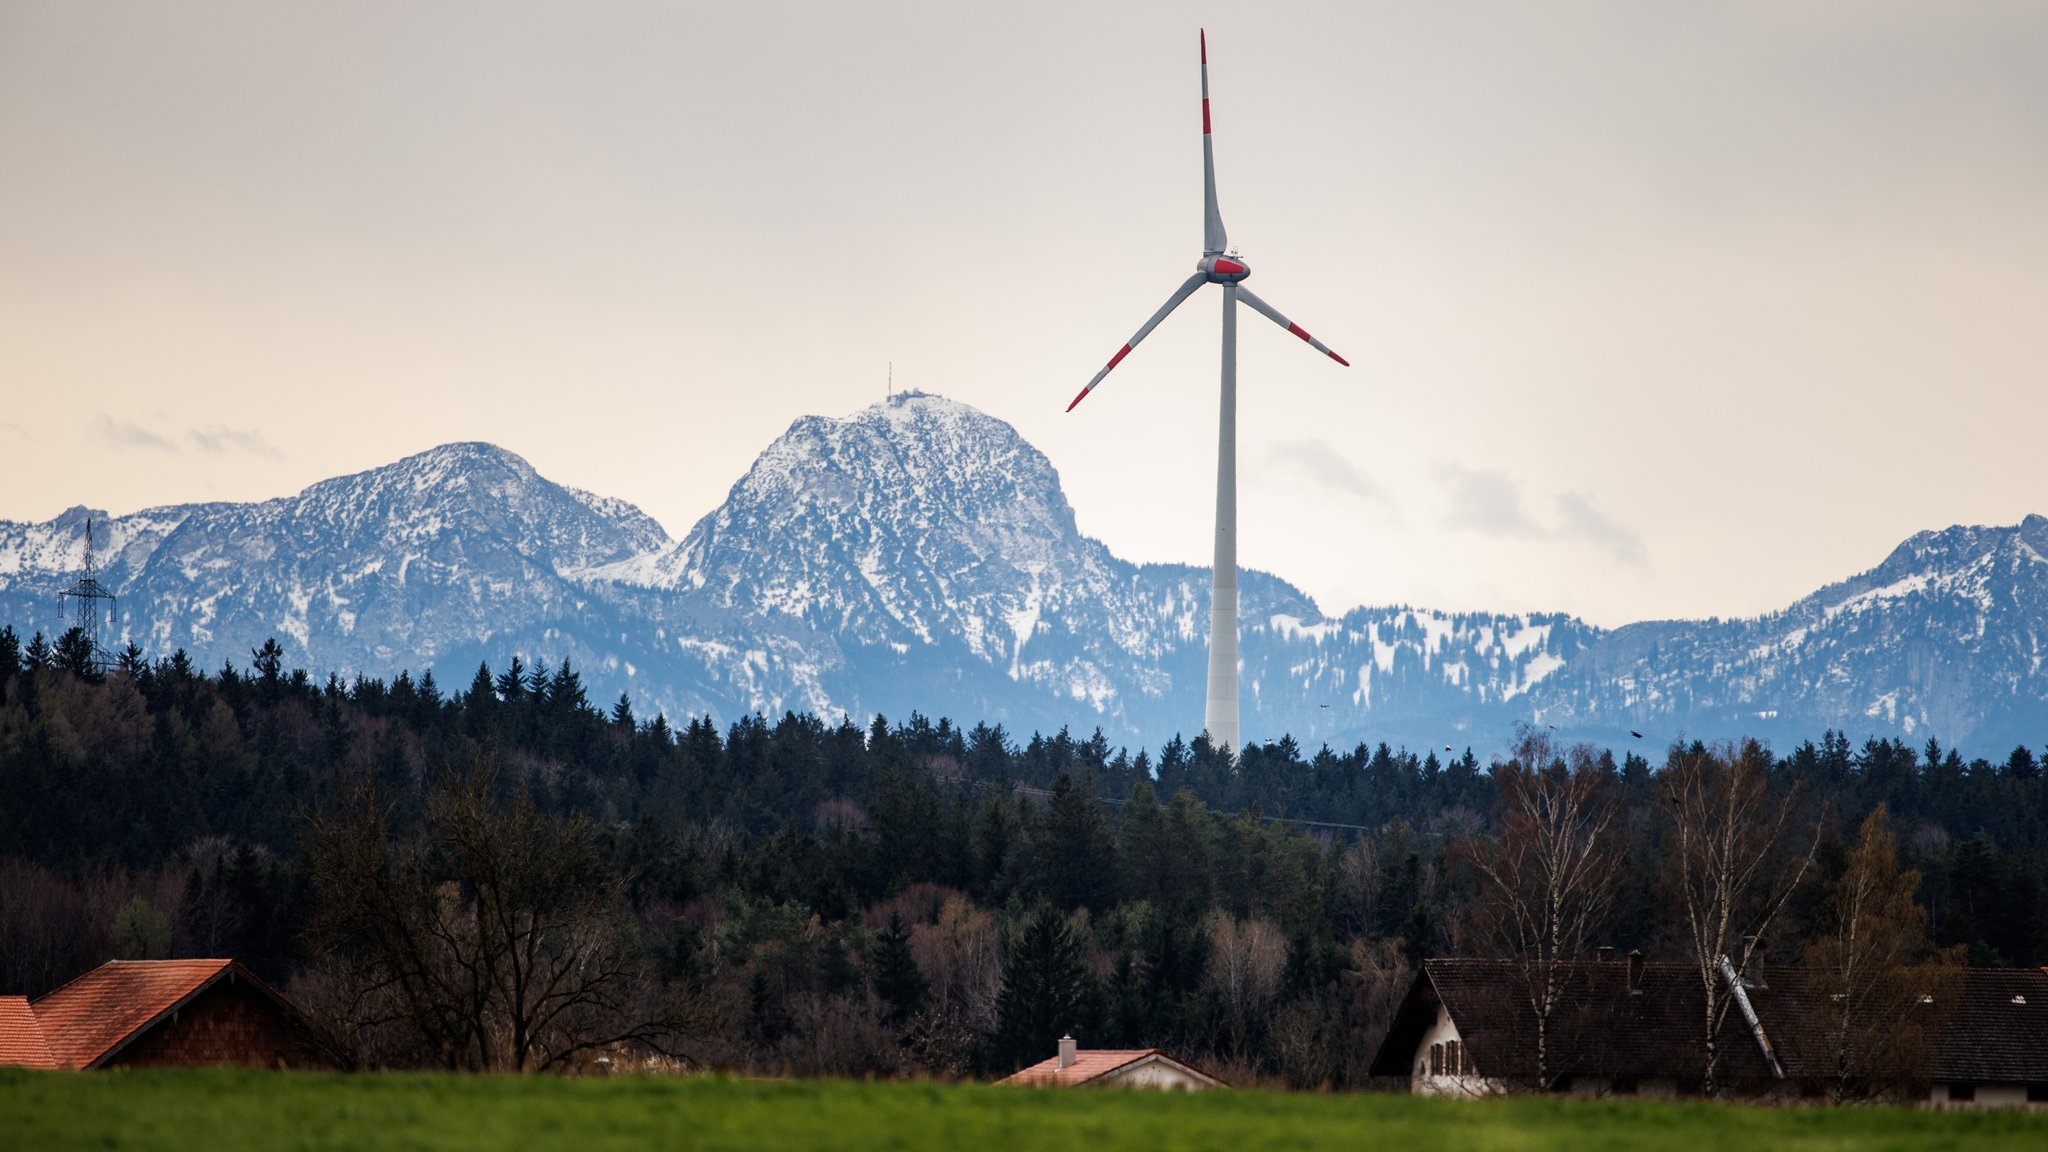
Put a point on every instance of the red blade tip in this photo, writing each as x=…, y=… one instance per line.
x=1340, y=360
x=1078, y=399
x=1205, y=45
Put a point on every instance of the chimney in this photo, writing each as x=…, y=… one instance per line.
x=1604, y=953
x=1753, y=962
x=1635, y=972
x=1067, y=1051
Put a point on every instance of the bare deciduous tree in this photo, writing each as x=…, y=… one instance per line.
x=1547, y=876
x=489, y=937
x=962, y=955
x=1734, y=868
x=1246, y=960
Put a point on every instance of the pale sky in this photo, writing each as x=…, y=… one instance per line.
x=1653, y=309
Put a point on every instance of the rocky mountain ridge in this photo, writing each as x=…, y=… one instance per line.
x=920, y=555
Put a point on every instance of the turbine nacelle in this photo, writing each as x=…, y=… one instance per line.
x=1223, y=269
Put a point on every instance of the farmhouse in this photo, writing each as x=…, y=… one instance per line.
x=141, y=1012
x=1993, y=1046
x=1467, y=1027
x=1113, y=1067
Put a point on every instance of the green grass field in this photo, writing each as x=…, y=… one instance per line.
x=229, y=1111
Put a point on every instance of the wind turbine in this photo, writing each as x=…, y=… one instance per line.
x=1219, y=264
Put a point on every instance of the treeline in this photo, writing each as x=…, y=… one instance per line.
x=840, y=898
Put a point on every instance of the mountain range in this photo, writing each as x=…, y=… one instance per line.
x=921, y=555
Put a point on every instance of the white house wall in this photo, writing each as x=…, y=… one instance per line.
x=1423, y=1083
x=1987, y=1096
x=1153, y=1074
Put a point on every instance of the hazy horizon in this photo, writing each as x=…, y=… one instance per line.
x=1654, y=313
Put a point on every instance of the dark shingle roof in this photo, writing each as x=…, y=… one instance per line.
x=1998, y=1030
x=1601, y=1029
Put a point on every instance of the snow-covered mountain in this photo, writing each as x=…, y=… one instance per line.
x=396, y=567
x=920, y=555
x=1945, y=638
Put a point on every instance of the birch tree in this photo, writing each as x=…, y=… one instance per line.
x=1548, y=875
x=1246, y=961
x=1736, y=863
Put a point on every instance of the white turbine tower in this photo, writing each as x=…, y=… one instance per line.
x=1218, y=265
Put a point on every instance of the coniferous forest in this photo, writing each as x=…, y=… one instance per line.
x=506, y=874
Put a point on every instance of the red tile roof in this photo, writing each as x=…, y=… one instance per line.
x=94, y=1015
x=1094, y=1063
x=21, y=1036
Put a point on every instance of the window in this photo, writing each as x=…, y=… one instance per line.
x=2037, y=1093
x=1962, y=1091
x=1451, y=1057
x=1624, y=1086
x=1436, y=1059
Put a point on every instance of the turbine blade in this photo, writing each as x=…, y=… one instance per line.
x=1186, y=290
x=1273, y=314
x=1214, y=239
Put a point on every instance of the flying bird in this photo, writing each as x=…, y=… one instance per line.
x=1636, y=734
x=1220, y=264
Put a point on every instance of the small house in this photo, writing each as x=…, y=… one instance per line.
x=160, y=1012
x=1992, y=1050
x=1624, y=1028
x=1113, y=1067
x=1467, y=1028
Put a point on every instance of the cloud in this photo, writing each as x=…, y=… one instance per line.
x=220, y=440
x=130, y=435
x=1584, y=522
x=1488, y=503
x=1318, y=462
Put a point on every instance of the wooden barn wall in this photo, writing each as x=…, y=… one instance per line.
x=229, y=1023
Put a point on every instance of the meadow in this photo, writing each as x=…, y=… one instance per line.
x=230, y=1111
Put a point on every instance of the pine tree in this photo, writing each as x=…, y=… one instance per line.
x=511, y=683
x=565, y=691
x=1044, y=986
x=764, y=1014
x=480, y=688
x=10, y=655
x=622, y=713
x=479, y=704
x=268, y=661
x=1076, y=857
x=74, y=653
x=897, y=979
